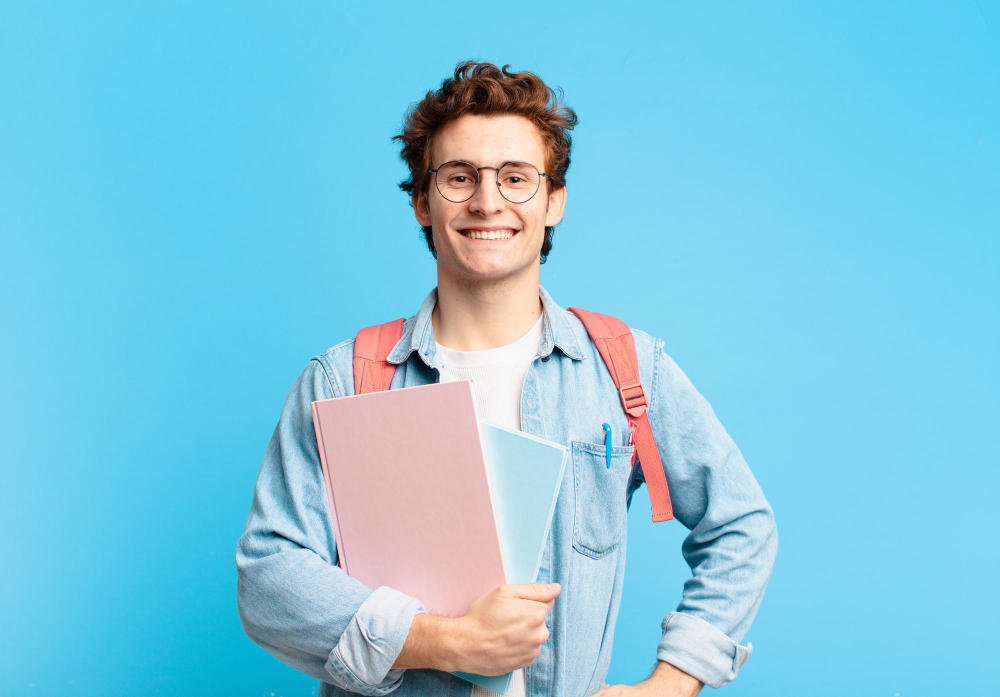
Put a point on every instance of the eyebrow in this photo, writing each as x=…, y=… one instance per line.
x=505, y=162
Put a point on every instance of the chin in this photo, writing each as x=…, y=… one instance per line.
x=494, y=273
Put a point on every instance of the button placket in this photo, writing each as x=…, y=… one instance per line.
x=530, y=403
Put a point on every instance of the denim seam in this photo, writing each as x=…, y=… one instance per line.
x=335, y=347
x=653, y=392
x=329, y=380
x=588, y=552
x=341, y=666
x=599, y=449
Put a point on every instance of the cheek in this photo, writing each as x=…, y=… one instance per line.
x=537, y=217
x=442, y=213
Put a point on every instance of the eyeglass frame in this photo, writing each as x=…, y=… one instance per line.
x=479, y=179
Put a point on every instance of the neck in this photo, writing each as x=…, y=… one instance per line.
x=480, y=315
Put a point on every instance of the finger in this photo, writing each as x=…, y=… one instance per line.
x=535, y=591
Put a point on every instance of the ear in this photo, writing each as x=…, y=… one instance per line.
x=421, y=208
x=557, y=203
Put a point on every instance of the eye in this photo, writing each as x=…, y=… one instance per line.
x=460, y=180
x=517, y=175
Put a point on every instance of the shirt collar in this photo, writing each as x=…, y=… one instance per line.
x=418, y=332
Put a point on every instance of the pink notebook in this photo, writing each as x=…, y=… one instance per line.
x=410, y=493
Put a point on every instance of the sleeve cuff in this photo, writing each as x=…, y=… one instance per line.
x=700, y=649
x=362, y=660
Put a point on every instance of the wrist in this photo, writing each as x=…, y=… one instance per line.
x=431, y=643
x=450, y=649
x=672, y=680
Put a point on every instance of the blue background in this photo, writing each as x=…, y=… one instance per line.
x=802, y=199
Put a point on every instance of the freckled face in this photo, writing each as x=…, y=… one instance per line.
x=518, y=228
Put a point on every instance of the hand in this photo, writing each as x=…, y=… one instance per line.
x=504, y=628
x=666, y=681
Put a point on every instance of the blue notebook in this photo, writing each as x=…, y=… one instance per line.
x=525, y=473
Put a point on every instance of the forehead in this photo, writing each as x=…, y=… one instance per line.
x=489, y=140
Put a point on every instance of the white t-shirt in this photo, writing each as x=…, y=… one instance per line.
x=498, y=374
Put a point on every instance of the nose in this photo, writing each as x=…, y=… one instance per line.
x=487, y=199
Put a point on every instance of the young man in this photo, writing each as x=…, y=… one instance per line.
x=488, y=154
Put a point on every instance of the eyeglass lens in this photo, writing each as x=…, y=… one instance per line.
x=458, y=181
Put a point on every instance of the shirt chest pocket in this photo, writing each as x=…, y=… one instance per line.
x=599, y=493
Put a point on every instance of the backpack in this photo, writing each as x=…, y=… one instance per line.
x=373, y=373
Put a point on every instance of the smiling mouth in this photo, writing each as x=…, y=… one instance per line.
x=489, y=235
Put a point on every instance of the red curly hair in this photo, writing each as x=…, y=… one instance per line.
x=485, y=89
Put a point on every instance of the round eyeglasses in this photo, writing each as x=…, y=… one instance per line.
x=458, y=181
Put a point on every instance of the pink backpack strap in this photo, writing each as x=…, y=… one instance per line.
x=372, y=345
x=617, y=346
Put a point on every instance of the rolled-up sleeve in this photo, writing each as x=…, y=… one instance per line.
x=733, y=539
x=293, y=599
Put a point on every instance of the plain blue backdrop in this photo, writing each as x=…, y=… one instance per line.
x=802, y=199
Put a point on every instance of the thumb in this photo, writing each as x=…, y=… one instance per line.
x=536, y=591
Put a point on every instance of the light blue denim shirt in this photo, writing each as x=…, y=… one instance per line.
x=302, y=608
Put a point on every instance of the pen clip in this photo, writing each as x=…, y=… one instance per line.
x=607, y=444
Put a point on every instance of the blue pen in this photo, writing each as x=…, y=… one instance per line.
x=607, y=444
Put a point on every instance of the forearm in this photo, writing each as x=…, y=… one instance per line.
x=670, y=680
x=432, y=643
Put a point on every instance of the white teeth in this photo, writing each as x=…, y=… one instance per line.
x=488, y=234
